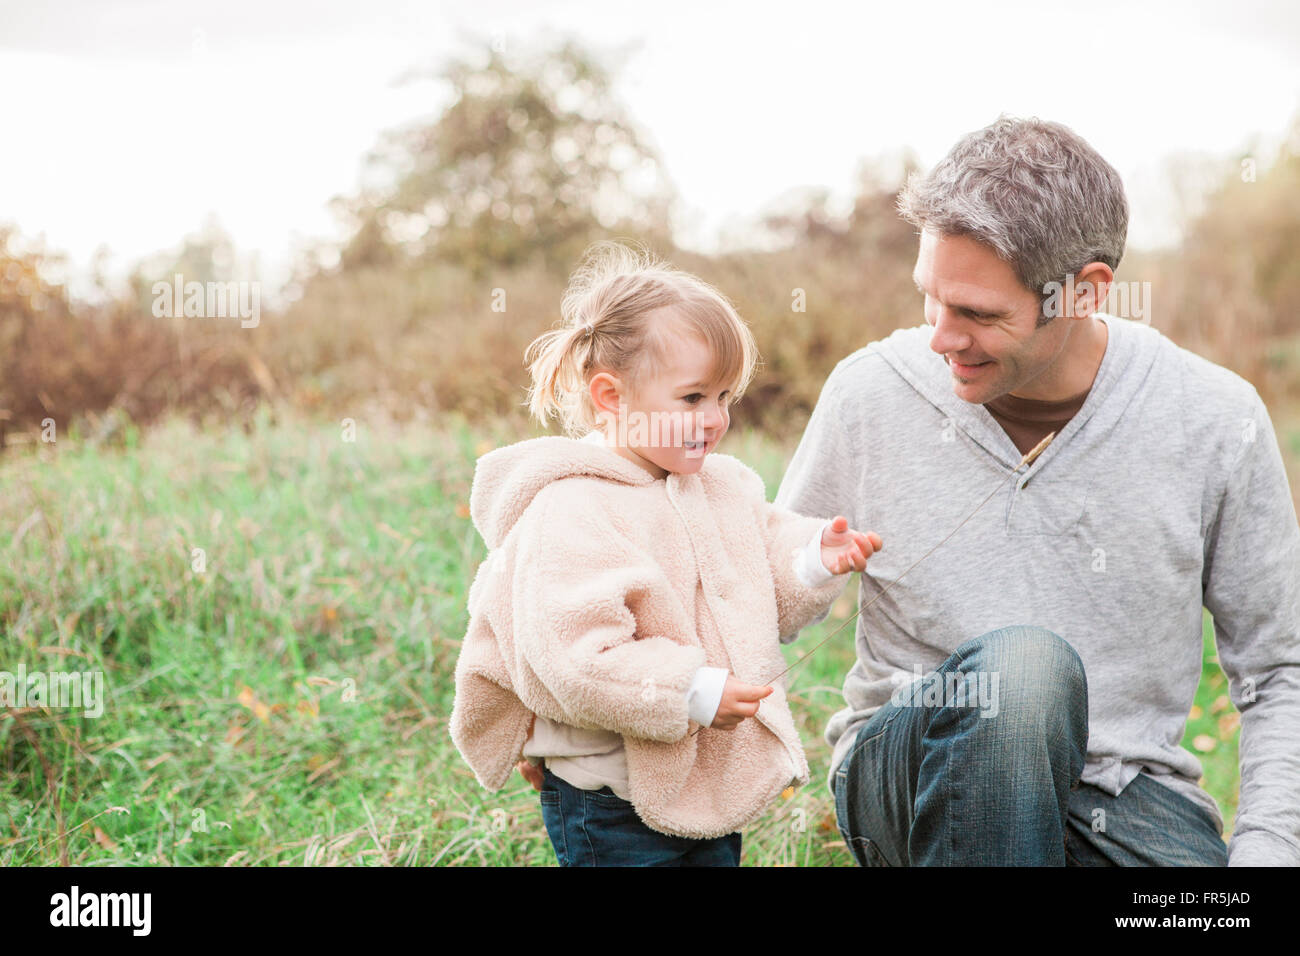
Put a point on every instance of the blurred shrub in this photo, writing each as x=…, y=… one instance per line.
x=1229, y=291
x=61, y=360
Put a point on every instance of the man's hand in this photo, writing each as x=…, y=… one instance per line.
x=844, y=549
x=739, y=700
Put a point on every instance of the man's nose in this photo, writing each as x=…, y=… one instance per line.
x=948, y=335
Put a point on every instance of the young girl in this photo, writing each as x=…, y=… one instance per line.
x=624, y=629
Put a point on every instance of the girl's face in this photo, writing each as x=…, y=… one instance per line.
x=673, y=419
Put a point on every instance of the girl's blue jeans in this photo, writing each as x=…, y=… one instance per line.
x=993, y=780
x=599, y=828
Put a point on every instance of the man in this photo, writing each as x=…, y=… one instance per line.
x=1020, y=696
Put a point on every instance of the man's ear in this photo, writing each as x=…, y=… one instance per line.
x=1091, y=288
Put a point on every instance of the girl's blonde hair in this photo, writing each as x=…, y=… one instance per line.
x=611, y=322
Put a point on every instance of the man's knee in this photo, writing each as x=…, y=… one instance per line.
x=1035, y=671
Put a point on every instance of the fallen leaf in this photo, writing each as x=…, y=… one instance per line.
x=249, y=700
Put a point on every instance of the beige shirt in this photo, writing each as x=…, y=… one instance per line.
x=587, y=759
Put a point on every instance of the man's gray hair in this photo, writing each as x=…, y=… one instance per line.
x=1034, y=191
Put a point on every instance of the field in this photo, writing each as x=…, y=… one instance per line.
x=277, y=611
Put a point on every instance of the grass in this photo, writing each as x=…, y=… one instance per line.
x=281, y=697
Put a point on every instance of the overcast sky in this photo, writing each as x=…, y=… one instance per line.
x=130, y=121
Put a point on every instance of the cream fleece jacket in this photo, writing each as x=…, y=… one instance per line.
x=603, y=593
x=591, y=759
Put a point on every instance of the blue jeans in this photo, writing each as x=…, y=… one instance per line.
x=992, y=779
x=599, y=828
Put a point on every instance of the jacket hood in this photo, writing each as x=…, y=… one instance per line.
x=507, y=479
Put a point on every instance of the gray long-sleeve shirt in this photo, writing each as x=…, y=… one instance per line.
x=1166, y=492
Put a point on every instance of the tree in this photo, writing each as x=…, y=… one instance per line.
x=533, y=158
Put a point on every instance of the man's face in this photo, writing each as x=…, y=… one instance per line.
x=985, y=322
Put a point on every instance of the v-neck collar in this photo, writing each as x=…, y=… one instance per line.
x=1128, y=354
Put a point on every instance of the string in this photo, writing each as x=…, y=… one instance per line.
x=1026, y=460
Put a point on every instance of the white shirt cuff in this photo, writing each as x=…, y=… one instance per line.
x=705, y=694
x=808, y=567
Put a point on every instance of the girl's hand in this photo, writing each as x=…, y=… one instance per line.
x=532, y=773
x=844, y=549
x=739, y=700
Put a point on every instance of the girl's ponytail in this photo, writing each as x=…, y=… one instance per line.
x=555, y=361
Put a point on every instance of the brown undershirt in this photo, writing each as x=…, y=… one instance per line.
x=1027, y=421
